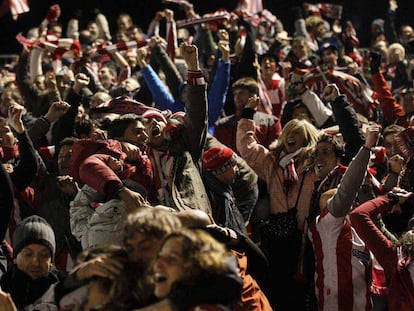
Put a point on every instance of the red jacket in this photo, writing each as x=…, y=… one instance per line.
x=400, y=286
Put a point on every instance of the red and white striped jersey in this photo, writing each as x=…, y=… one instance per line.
x=273, y=97
x=342, y=265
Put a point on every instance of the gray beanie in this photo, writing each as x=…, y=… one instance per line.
x=33, y=230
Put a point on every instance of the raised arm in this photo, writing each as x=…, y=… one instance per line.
x=345, y=116
x=26, y=169
x=340, y=204
x=195, y=102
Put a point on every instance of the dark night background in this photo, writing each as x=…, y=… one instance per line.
x=361, y=12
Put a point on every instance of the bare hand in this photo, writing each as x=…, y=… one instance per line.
x=8, y=168
x=67, y=185
x=133, y=152
x=223, y=35
x=98, y=134
x=253, y=102
x=15, y=118
x=159, y=15
x=169, y=15
x=6, y=302
x=103, y=267
x=81, y=81
x=56, y=110
x=132, y=199
x=224, y=49
x=402, y=194
x=373, y=133
x=156, y=40
x=393, y=5
x=50, y=81
x=142, y=57
x=114, y=164
x=190, y=54
x=330, y=93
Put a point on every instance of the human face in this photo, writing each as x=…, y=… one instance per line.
x=241, y=96
x=39, y=83
x=169, y=267
x=330, y=58
x=131, y=58
x=295, y=139
x=93, y=30
x=56, y=30
x=391, y=145
x=395, y=56
x=99, y=98
x=35, y=260
x=135, y=133
x=407, y=33
x=81, y=115
x=142, y=248
x=135, y=34
x=228, y=177
x=408, y=101
x=155, y=130
x=124, y=22
x=325, y=159
x=7, y=101
x=64, y=160
x=300, y=49
x=105, y=76
x=268, y=67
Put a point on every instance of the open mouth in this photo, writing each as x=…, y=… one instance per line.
x=155, y=131
x=159, y=278
x=291, y=142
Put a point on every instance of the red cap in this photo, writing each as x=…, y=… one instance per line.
x=154, y=114
x=218, y=159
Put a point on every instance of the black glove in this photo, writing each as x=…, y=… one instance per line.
x=375, y=62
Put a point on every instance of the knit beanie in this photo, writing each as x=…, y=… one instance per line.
x=33, y=230
x=154, y=114
x=217, y=159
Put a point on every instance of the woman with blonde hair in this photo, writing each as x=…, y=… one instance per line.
x=290, y=182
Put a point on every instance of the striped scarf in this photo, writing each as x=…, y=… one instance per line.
x=287, y=163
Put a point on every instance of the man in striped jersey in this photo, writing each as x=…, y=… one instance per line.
x=342, y=262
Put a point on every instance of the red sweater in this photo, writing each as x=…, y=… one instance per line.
x=401, y=287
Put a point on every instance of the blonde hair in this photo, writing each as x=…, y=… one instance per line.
x=397, y=49
x=309, y=131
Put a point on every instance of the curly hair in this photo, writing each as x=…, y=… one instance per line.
x=153, y=222
x=201, y=253
x=407, y=243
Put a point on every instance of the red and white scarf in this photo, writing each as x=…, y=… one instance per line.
x=287, y=163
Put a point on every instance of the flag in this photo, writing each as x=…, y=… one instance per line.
x=18, y=7
x=333, y=11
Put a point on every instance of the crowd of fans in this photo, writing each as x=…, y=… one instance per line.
x=212, y=163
